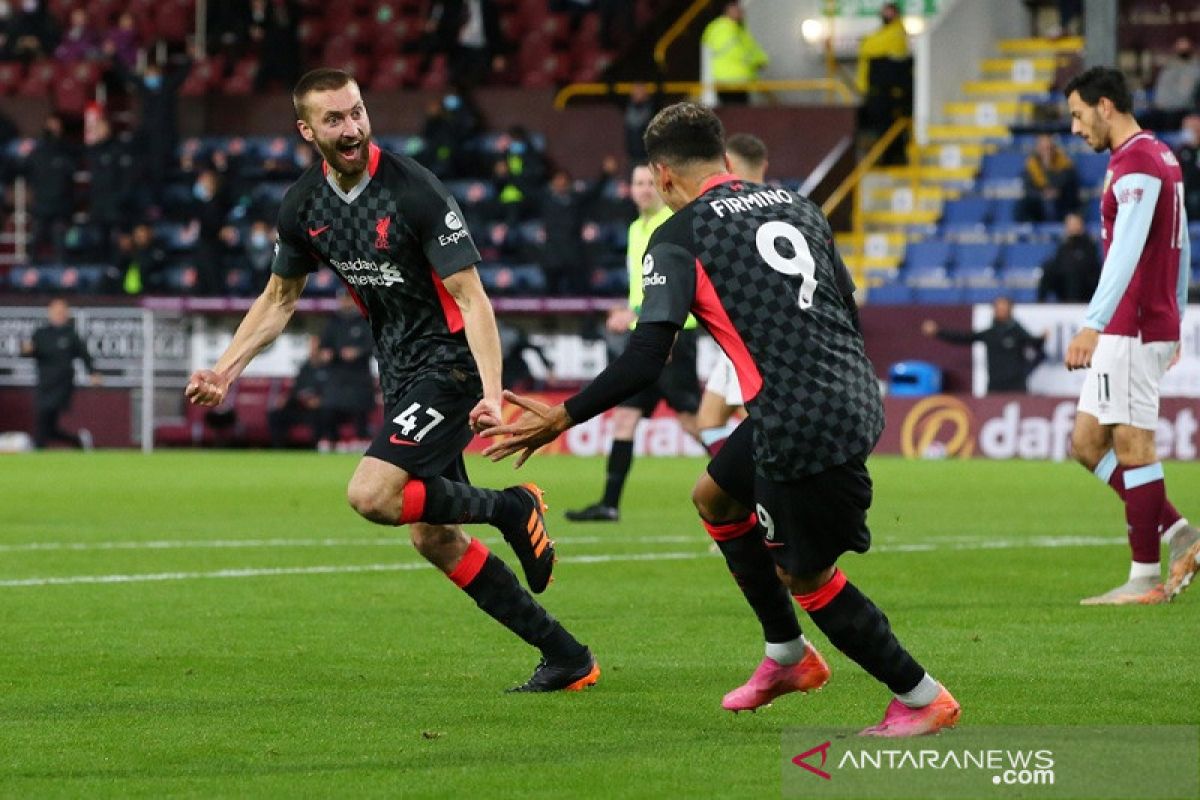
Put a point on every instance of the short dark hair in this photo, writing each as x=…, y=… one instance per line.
x=683, y=133
x=323, y=79
x=1100, y=82
x=747, y=147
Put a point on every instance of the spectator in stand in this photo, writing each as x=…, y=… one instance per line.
x=80, y=42
x=890, y=41
x=1189, y=163
x=526, y=165
x=158, y=128
x=121, y=43
x=346, y=345
x=734, y=55
x=50, y=169
x=141, y=261
x=1051, y=183
x=468, y=33
x=274, y=26
x=1012, y=352
x=205, y=219
x=32, y=33
x=1072, y=273
x=55, y=346
x=563, y=212
x=302, y=405
x=639, y=110
x=448, y=126
x=110, y=200
x=1175, y=89
x=258, y=250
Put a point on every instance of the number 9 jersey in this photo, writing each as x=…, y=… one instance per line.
x=757, y=266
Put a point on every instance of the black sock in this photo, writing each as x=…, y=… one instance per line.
x=754, y=570
x=620, y=459
x=859, y=629
x=442, y=502
x=494, y=588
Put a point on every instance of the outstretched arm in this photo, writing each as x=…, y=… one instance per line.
x=479, y=324
x=635, y=369
x=261, y=326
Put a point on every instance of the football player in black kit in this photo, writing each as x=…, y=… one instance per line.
x=397, y=239
x=789, y=492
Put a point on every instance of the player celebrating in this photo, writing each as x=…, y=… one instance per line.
x=722, y=396
x=757, y=266
x=396, y=238
x=1131, y=334
x=678, y=384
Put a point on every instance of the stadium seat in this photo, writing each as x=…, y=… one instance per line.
x=948, y=295
x=889, y=293
x=1004, y=212
x=965, y=214
x=975, y=265
x=11, y=75
x=927, y=255
x=394, y=72
x=1005, y=165
x=38, y=79
x=1091, y=168
x=1026, y=255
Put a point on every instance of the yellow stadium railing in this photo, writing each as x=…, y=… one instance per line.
x=676, y=30
x=831, y=86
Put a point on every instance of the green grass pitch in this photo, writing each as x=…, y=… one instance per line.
x=287, y=648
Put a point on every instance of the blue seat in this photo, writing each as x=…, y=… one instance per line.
x=1026, y=255
x=976, y=256
x=889, y=293
x=1091, y=168
x=1004, y=211
x=967, y=213
x=982, y=294
x=1005, y=165
x=926, y=255
x=1091, y=213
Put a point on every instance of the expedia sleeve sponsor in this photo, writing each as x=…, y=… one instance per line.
x=669, y=283
x=439, y=225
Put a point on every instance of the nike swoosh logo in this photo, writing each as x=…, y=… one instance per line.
x=394, y=439
x=315, y=232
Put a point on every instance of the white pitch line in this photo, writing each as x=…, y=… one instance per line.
x=236, y=544
x=1042, y=542
x=256, y=572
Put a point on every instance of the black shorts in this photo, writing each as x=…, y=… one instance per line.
x=426, y=430
x=678, y=384
x=810, y=521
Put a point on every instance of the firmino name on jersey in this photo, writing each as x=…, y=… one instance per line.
x=361, y=272
x=745, y=202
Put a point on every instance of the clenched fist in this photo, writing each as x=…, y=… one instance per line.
x=206, y=388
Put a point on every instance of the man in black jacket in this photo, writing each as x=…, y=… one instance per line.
x=1072, y=274
x=1012, y=352
x=51, y=172
x=55, y=346
x=349, y=393
x=111, y=165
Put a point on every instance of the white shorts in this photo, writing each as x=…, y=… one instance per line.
x=723, y=381
x=1121, y=387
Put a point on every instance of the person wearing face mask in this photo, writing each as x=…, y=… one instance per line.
x=206, y=217
x=1175, y=88
x=1189, y=162
x=157, y=132
x=258, y=249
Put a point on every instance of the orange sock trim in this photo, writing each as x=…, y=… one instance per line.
x=822, y=597
x=412, y=501
x=724, y=531
x=470, y=564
